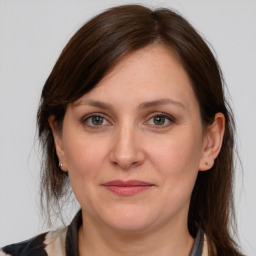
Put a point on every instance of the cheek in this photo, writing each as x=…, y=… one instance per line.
x=177, y=164
x=84, y=159
x=177, y=161
x=84, y=155
x=178, y=154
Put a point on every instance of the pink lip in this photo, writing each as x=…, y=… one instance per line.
x=127, y=188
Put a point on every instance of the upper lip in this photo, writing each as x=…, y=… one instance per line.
x=127, y=183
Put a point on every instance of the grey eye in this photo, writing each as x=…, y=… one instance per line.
x=159, y=120
x=97, y=120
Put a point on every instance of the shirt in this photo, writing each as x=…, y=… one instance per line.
x=64, y=242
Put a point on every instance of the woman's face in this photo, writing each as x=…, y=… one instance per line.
x=134, y=144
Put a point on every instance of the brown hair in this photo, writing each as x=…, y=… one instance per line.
x=92, y=52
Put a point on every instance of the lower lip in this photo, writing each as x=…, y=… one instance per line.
x=127, y=190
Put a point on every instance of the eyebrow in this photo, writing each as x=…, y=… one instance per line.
x=93, y=103
x=144, y=105
x=160, y=102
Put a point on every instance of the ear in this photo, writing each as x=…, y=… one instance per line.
x=212, y=142
x=57, y=135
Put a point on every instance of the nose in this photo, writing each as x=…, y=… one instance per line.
x=126, y=150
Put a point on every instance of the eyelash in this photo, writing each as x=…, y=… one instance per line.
x=166, y=117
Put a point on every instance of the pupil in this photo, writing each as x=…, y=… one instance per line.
x=159, y=120
x=97, y=120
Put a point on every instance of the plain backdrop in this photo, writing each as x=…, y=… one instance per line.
x=32, y=34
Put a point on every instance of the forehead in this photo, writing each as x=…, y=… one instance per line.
x=148, y=74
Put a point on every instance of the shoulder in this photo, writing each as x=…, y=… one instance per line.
x=33, y=246
x=46, y=244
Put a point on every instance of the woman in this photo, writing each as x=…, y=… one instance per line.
x=133, y=117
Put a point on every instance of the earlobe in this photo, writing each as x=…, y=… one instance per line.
x=56, y=131
x=212, y=142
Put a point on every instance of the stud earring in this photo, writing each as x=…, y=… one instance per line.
x=60, y=165
x=207, y=163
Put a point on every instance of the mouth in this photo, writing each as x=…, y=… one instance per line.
x=127, y=188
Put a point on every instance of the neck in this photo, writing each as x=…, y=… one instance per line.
x=168, y=240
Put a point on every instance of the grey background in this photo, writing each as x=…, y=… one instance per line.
x=32, y=34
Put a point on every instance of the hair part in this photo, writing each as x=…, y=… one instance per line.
x=93, y=52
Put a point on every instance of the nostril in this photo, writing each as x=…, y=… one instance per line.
x=125, y=165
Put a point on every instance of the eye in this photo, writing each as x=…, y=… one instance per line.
x=162, y=120
x=95, y=121
x=159, y=120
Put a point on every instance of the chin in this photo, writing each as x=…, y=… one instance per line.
x=130, y=220
x=130, y=225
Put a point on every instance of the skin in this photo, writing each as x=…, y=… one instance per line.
x=162, y=143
